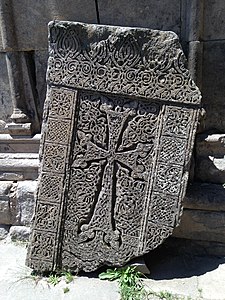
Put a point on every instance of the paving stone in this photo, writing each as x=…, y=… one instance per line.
x=211, y=284
x=188, y=278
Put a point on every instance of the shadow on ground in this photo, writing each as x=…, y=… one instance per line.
x=174, y=260
x=167, y=263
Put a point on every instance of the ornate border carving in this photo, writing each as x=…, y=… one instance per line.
x=126, y=61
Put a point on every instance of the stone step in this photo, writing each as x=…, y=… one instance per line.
x=205, y=196
x=19, y=166
x=203, y=218
x=9, y=144
x=202, y=225
x=210, y=158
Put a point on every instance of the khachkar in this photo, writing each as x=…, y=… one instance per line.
x=119, y=124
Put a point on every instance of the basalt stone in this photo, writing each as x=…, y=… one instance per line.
x=22, y=18
x=119, y=124
x=163, y=15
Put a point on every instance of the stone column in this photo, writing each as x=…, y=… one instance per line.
x=196, y=15
x=21, y=120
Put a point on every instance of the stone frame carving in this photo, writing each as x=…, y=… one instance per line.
x=118, y=78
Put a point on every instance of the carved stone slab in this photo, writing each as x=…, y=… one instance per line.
x=120, y=118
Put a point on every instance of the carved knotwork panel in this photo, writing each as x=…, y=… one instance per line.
x=119, y=123
x=112, y=160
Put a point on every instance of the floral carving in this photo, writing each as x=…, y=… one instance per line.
x=120, y=117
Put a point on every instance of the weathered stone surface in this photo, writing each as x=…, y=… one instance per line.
x=5, y=208
x=40, y=61
x=5, y=97
x=181, y=246
x=25, y=198
x=31, y=19
x=19, y=233
x=214, y=22
x=4, y=230
x=116, y=146
x=213, y=87
x=17, y=202
x=18, y=166
x=9, y=144
x=210, y=158
x=205, y=196
x=153, y=14
x=202, y=225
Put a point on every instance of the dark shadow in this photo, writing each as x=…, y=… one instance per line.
x=168, y=262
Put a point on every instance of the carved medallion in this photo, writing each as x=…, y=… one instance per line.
x=119, y=124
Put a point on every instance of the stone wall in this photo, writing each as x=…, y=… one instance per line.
x=23, y=62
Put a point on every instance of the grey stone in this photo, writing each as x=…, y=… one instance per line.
x=181, y=246
x=210, y=169
x=186, y=276
x=12, y=144
x=5, y=212
x=210, y=158
x=213, y=87
x=119, y=124
x=162, y=15
x=5, y=97
x=202, y=225
x=17, y=202
x=25, y=197
x=214, y=20
x=5, y=207
x=23, y=129
x=18, y=166
x=4, y=189
x=205, y=196
x=40, y=60
x=14, y=176
x=19, y=233
x=4, y=230
x=31, y=18
x=210, y=144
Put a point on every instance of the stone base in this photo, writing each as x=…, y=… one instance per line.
x=23, y=129
x=9, y=144
x=204, y=214
x=18, y=166
x=210, y=154
x=19, y=157
x=17, y=202
x=180, y=246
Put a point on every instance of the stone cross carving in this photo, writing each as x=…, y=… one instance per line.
x=119, y=123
